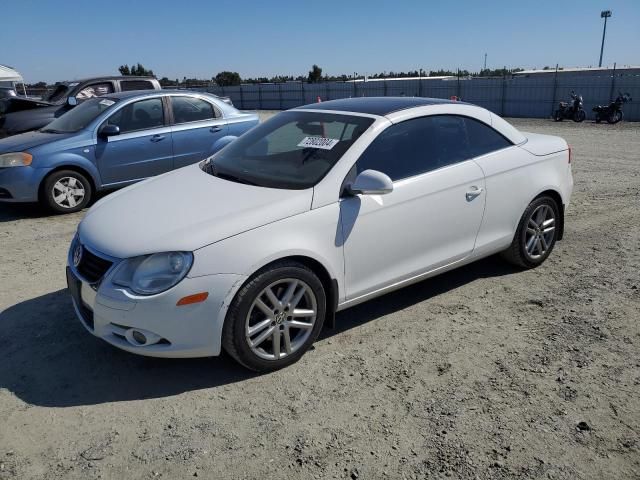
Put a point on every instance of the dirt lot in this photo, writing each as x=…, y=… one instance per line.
x=486, y=372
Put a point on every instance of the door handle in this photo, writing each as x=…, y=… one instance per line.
x=215, y=128
x=157, y=138
x=473, y=192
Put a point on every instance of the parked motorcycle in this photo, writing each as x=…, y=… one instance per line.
x=612, y=113
x=572, y=110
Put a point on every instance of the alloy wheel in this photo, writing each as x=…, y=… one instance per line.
x=281, y=319
x=540, y=232
x=68, y=192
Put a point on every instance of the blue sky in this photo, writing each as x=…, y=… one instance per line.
x=66, y=39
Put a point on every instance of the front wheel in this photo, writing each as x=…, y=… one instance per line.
x=598, y=118
x=275, y=317
x=615, y=117
x=557, y=116
x=66, y=191
x=536, y=234
x=579, y=116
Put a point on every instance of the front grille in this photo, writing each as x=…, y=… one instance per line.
x=92, y=267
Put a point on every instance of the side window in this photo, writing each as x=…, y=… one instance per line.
x=95, y=90
x=127, y=85
x=483, y=139
x=416, y=146
x=140, y=115
x=191, y=109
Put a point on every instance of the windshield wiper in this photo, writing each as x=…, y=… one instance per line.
x=210, y=168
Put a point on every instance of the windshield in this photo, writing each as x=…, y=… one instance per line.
x=293, y=150
x=81, y=116
x=60, y=92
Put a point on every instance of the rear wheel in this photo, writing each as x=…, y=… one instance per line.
x=598, y=118
x=579, y=116
x=557, y=116
x=536, y=234
x=275, y=317
x=66, y=191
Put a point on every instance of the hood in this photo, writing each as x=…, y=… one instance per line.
x=29, y=140
x=182, y=211
x=16, y=104
x=25, y=120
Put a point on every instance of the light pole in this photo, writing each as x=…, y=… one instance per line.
x=603, y=14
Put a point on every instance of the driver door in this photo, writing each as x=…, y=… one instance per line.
x=429, y=220
x=142, y=149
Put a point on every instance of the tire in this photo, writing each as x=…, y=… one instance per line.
x=518, y=252
x=557, y=116
x=66, y=191
x=579, y=116
x=598, y=118
x=247, y=322
x=615, y=117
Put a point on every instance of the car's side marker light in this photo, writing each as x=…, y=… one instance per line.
x=195, y=298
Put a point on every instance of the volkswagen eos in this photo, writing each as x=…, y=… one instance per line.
x=316, y=210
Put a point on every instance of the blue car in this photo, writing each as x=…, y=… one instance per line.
x=112, y=141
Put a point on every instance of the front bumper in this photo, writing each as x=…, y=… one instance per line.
x=113, y=314
x=21, y=184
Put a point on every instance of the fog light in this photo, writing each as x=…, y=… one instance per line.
x=139, y=337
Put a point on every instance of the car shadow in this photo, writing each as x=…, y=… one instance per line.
x=48, y=359
x=10, y=212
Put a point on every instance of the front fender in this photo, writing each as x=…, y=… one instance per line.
x=74, y=160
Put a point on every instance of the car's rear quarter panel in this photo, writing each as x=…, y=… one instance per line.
x=514, y=177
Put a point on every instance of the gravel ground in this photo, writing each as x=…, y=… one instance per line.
x=485, y=372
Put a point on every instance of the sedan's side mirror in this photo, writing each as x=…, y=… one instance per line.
x=72, y=101
x=371, y=182
x=109, y=130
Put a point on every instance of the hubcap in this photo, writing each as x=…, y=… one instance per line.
x=281, y=319
x=68, y=192
x=540, y=232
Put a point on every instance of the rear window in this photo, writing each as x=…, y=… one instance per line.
x=127, y=85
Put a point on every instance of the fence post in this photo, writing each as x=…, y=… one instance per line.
x=504, y=88
x=555, y=86
x=458, y=86
x=241, y=98
x=259, y=96
x=613, y=83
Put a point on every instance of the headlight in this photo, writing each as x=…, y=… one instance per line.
x=18, y=159
x=151, y=274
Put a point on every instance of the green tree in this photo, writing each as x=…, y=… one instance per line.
x=135, y=70
x=227, y=79
x=315, y=75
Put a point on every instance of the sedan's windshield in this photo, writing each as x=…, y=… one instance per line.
x=293, y=150
x=81, y=116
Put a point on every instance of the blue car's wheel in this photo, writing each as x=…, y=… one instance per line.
x=66, y=191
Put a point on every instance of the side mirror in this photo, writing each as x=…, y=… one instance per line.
x=371, y=182
x=72, y=101
x=109, y=131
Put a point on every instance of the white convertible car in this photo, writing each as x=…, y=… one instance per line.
x=316, y=210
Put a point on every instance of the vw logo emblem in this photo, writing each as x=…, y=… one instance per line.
x=77, y=255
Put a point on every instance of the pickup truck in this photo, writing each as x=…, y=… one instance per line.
x=20, y=114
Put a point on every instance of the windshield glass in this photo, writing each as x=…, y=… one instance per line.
x=81, y=116
x=58, y=93
x=293, y=150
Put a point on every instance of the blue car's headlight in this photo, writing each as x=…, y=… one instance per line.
x=15, y=159
x=151, y=274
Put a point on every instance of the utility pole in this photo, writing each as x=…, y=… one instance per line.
x=485, y=61
x=603, y=14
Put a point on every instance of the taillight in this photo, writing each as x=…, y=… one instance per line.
x=569, y=153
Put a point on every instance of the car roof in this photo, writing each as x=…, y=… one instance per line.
x=111, y=77
x=142, y=93
x=376, y=105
